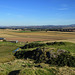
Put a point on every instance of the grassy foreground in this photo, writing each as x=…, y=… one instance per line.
x=27, y=66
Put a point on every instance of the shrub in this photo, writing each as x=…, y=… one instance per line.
x=42, y=55
x=66, y=59
x=32, y=45
x=56, y=43
x=35, y=44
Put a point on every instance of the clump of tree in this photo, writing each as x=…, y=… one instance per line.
x=59, y=58
x=61, y=29
x=35, y=44
x=55, y=43
x=34, y=54
x=64, y=59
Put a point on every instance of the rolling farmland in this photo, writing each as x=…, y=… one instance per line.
x=10, y=64
x=37, y=36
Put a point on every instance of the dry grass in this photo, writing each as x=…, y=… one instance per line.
x=27, y=67
x=37, y=36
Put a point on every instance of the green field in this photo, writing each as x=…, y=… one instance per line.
x=6, y=49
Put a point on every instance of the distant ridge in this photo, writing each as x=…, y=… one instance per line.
x=39, y=27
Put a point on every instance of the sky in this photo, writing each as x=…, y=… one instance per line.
x=37, y=12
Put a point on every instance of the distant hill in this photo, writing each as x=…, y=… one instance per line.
x=39, y=27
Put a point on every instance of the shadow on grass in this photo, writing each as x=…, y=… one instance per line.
x=15, y=72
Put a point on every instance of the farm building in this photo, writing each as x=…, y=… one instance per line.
x=13, y=41
x=2, y=39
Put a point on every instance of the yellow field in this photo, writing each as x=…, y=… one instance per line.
x=37, y=36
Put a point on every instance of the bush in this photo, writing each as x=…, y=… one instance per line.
x=32, y=45
x=42, y=55
x=35, y=44
x=56, y=43
x=64, y=59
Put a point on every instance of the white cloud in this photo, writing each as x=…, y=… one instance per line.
x=64, y=5
x=63, y=9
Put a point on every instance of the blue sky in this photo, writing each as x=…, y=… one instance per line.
x=37, y=12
